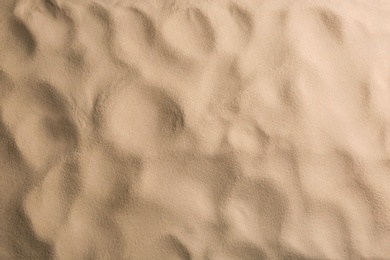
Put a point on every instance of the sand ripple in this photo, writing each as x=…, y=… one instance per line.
x=194, y=129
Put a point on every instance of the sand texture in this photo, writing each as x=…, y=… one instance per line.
x=194, y=129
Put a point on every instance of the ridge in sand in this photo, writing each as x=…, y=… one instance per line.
x=212, y=129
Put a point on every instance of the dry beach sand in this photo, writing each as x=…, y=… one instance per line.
x=194, y=129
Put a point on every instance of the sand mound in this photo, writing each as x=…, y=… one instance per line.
x=210, y=129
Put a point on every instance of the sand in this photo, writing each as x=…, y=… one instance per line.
x=194, y=129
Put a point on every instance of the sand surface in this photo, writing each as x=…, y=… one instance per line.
x=194, y=129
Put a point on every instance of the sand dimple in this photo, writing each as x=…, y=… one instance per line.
x=191, y=129
x=40, y=125
x=135, y=32
x=171, y=119
x=235, y=27
x=190, y=32
x=144, y=119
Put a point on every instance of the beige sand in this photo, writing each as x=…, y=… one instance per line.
x=194, y=129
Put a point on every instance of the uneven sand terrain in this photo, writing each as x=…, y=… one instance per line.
x=194, y=129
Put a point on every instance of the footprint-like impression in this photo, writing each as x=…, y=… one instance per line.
x=138, y=119
x=190, y=32
x=235, y=27
x=136, y=33
x=42, y=129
